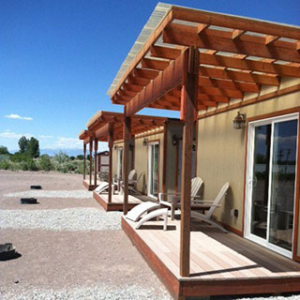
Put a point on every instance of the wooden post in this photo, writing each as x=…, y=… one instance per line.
x=95, y=161
x=127, y=136
x=84, y=160
x=91, y=160
x=188, y=112
x=110, y=146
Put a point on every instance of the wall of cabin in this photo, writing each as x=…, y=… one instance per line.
x=221, y=152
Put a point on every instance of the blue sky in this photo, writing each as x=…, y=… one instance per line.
x=59, y=57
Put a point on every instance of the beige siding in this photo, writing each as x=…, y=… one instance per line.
x=221, y=153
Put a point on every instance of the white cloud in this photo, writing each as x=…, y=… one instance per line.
x=12, y=135
x=18, y=117
x=46, y=137
x=67, y=143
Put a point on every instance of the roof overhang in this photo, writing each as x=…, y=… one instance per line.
x=237, y=56
x=99, y=125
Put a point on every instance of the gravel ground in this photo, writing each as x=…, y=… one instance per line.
x=71, y=219
x=70, y=248
x=80, y=194
x=87, y=293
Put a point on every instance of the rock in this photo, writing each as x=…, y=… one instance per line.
x=28, y=201
x=8, y=251
x=35, y=187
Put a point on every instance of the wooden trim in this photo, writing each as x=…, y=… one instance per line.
x=274, y=114
x=95, y=160
x=245, y=178
x=157, y=266
x=254, y=100
x=232, y=229
x=164, y=163
x=297, y=199
x=91, y=158
x=176, y=173
x=164, y=82
x=102, y=131
x=196, y=146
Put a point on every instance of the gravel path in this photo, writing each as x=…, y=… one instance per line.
x=87, y=293
x=70, y=219
x=79, y=194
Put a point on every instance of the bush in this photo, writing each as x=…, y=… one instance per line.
x=29, y=165
x=4, y=164
x=19, y=157
x=45, y=163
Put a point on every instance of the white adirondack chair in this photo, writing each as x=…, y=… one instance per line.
x=175, y=198
x=117, y=182
x=213, y=205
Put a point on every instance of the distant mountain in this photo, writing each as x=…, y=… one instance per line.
x=70, y=152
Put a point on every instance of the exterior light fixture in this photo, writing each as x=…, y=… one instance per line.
x=174, y=140
x=239, y=121
x=145, y=142
x=130, y=147
x=115, y=147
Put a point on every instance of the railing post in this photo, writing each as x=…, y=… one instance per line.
x=95, y=161
x=127, y=135
x=84, y=160
x=188, y=113
x=91, y=159
x=110, y=146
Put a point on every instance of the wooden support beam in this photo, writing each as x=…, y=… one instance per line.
x=91, y=159
x=110, y=147
x=187, y=35
x=188, y=115
x=164, y=82
x=248, y=87
x=238, y=76
x=102, y=131
x=213, y=91
x=164, y=52
x=126, y=137
x=248, y=64
x=154, y=64
x=132, y=87
x=95, y=161
x=84, y=161
x=211, y=18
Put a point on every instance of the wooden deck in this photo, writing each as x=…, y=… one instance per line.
x=117, y=201
x=87, y=185
x=221, y=264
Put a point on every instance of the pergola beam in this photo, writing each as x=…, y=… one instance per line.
x=164, y=82
x=235, y=22
x=187, y=35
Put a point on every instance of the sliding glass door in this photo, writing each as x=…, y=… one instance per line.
x=153, y=156
x=271, y=179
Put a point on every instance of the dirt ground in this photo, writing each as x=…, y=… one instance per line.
x=61, y=259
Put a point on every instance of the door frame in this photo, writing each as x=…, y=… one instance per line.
x=149, y=145
x=251, y=123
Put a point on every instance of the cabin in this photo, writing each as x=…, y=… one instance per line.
x=236, y=83
x=155, y=146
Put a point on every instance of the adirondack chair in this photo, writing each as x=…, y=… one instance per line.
x=175, y=198
x=117, y=182
x=132, y=185
x=213, y=205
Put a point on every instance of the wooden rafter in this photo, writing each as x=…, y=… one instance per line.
x=248, y=64
x=187, y=35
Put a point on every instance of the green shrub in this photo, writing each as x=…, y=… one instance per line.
x=4, y=164
x=45, y=163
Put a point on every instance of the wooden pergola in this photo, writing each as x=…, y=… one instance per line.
x=108, y=127
x=202, y=61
